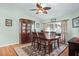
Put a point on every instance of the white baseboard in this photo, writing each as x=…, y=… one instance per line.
x=9, y=44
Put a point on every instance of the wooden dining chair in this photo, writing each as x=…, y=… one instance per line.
x=34, y=40
x=55, y=39
x=42, y=41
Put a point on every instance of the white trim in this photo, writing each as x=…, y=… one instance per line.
x=9, y=44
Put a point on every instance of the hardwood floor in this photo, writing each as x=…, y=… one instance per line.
x=65, y=52
x=9, y=51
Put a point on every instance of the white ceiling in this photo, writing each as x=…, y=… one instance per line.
x=58, y=9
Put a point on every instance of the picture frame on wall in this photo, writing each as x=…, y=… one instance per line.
x=75, y=22
x=8, y=22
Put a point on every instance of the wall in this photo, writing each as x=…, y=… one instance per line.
x=10, y=35
x=72, y=32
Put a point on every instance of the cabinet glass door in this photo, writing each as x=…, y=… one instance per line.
x=23, y=28
x=28, y=28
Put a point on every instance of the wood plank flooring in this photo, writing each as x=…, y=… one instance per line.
x=9, y=51
x=65, y=52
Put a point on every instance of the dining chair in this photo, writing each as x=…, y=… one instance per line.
x=56, y=40
x=43, y=42
x=35, y=40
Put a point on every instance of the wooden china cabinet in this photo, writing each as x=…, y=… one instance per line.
x=25, y=30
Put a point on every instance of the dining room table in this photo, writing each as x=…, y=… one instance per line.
x=50, y=39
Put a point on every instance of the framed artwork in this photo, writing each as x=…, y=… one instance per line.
x=75, y=22
x=53, y=20
x=8, y=22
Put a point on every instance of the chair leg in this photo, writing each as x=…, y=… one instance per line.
x=45, y=48
x=40, y=46
x=58, y=43
x=34, y=44
x=37, y=45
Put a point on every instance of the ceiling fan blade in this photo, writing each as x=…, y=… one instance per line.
x=45, y=12
x=38, y=5
x=47, y=8
x=33, y=9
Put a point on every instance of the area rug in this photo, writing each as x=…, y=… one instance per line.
x=28, y=50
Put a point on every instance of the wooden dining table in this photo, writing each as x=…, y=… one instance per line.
x=49, y=40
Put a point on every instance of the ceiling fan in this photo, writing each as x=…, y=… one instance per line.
x=41, y=9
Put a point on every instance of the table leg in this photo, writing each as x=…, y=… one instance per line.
x=49, y=47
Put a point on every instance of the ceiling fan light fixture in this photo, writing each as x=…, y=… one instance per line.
x=40, y=11
x=45, y=12
x=40, y=8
